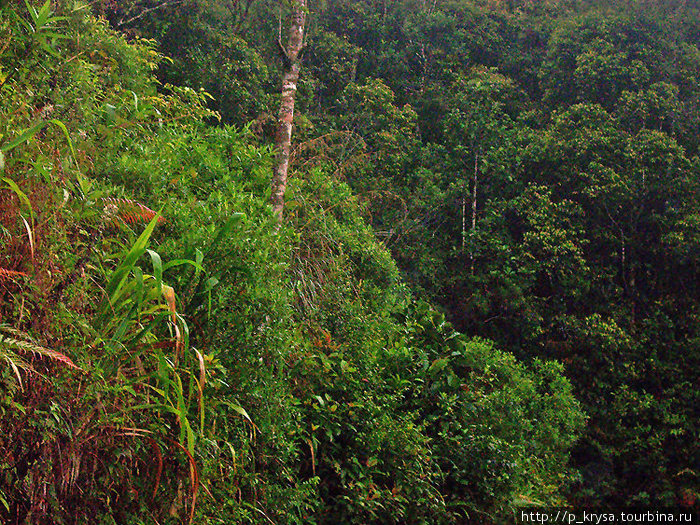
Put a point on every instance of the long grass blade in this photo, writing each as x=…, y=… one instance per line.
x=16, y=371
x=20, y=194
x=33, y=130
x=159, y=469
x=119, y=275
x=194, y=478
x=157, y=268
x=200, y=388
x=30, y=235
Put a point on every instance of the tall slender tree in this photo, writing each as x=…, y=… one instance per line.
x=290, y=76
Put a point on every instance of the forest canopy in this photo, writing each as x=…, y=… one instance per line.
x=473, y=290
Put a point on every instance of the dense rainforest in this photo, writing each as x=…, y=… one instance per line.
x=478, y=292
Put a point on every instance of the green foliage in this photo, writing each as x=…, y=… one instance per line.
x=332, y=62
x=198, y=364
x=585, y=206
x=519, y=422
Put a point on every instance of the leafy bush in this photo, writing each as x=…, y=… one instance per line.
x=170, y=356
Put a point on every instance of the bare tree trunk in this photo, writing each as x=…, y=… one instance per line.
x=464, y=216
x=476, y=176
x=283, y=138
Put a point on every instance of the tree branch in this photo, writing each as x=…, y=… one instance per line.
x=148, y=10
x=283, y=53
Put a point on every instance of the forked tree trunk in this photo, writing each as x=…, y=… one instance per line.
x=283, y=138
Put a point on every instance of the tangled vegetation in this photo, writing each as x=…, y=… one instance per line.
x=169, y=354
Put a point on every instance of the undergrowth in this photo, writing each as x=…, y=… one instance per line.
x=168, y=356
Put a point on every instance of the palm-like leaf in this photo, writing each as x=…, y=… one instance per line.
x=14, y=342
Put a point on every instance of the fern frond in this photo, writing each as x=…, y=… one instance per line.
x=10, y=274
x=129, y=211
x=16, y=340
x=16, y=362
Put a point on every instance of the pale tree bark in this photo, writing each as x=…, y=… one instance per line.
x=464, y=216
x=290, y=77
x=475, y=180
x=476, y=175
x=474, y=187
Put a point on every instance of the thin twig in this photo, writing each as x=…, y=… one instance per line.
x=148, y=10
